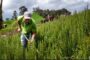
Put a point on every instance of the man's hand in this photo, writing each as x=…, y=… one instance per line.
x=32, y=40
x=18, y=30
x=29, y=41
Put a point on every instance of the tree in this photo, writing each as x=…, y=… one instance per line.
x=1, y=18
x=14, y=15
x=7, y=19
x=22, y=9
x=75, y=12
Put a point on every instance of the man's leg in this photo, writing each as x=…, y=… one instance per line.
x=23, y=41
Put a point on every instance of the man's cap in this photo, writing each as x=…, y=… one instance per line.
x=27, y=15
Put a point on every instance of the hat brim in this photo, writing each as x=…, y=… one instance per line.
x=27, y=17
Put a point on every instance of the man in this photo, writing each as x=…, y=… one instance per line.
x=27, y=28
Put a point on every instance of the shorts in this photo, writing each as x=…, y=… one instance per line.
x=24, y=39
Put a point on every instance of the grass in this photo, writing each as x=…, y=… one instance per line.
x=64, y=38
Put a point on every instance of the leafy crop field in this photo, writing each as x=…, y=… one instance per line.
x=64, y=38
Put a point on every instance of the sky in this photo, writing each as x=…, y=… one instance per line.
x=10, y=5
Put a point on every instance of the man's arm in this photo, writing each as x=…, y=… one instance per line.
x=19, y=26
x=19, y=20
x=33, y=37
x=33, y=31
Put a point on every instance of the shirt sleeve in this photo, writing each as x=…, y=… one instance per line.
x=33, y=27
x=19, y=19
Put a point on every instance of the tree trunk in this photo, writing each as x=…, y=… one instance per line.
x=1, y=19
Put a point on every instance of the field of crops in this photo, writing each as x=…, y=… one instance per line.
x=64, y=38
